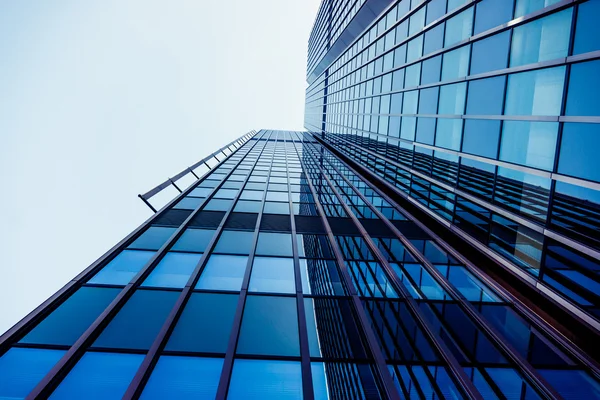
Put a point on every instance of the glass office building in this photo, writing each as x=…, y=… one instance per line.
x=434, y=234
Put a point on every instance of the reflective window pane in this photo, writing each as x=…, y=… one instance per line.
x=174, y=270
x=491, y=13
x=272, y=274
x=529, y=143
x=490, y=54
x=274, y=244
x=579, y=151
x=536, y=92
x=223, y=272
x=193, y=240
x=22, y=369
x=587, y=31
x=122, y=268
x=234, y=242
x=455, y=63
x=481, y=137
x=265, y=379
x=459, y=27
x=153, y=238
x=486, y=96
x=584, y=84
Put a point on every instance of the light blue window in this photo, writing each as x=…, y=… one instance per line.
x=542, y=39
x=529, y=143
x=425, y=130
x=434, y=39
x=486, y=96
x=452, y=98
x=188, y=203
x=252, y=195
x=136, y=325
x=525, y=7
x=218, y=205
x=122, y=268
x=481, y=137
x=455, y=64
x=205, y=324
x=272, y=275
x=536, y=92
x=490, y=54
x=247, y=206
x=411, y=100
x=491, y=13
x=408, y=127
x=435, y=10
x=584, y=84
x=459, y=27
x=226, y=193
x=173, y=270
x=579, y=151
x=99, y=376
x=427, y=285
x=272, y=207
x=413, y=75
x=277, y=196
x=153, y=238
x=428, y=100
x=265, y=380
x=311, y=326
x=416, y=22
x=454, y=4
x=587, y=30
x=184, y=377
x=398, y=79
x=194, y=240
x=201, y=192
x=470, y=286
x=414, y=49
x=22, y=369
x=449, y=133
x=319, y=379
x=235, y=242
x=396, y=104
x=274, y=244
x=223, y=272
x=269, y=327
x=60, y=328
x=430, y=70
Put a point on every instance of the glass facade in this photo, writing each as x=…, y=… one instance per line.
x=433, y=235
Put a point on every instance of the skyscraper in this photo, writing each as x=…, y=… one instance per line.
x=434, y=233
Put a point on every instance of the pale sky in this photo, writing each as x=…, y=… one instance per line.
x=103, y=99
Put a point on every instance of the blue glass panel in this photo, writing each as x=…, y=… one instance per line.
x=428, y=100
x=173, y=271
x=99, y=376
x=434, y=39
x=587, y=30
x=396, y=103
x=122, y=268
x=491, y=13
x=274, y=244
x=407, y=129
x=412, y=75
x=265, y=379
x=269, y=327
x=481, y=137
x=416, y=22
x=188, y=203
x=205, y=324
x=452, y=99
x=319, y=379
x=194, y=240
x=572, y=384
x=542, y=39
x=218, y=205
x=486, y=96
x=223, y=272
x=470, y=287
x=425, y=130
x=430, y=70
x=272, y=274
x=459, y=27
x=311, y=326
x=536, y=92
x=22, y=369
x=490, y=54
x=138, y=322
x=235, y=242
x=584, y=84
x=435, y=10
x=60, y=328
x=529, y=143
x=411, y=100
x=414, y=49
x=184, y=378
x=153, y=238
x=511, y=384
x=247, y=206
x=455, y=63
x=579, y=151
x=525, y=7
x=428, y=286
x=449, y=133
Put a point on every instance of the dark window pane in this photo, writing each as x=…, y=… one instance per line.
x=274, y=244
x=490, y=54
x=584, y=84
x=153, y=238
x=122, y=268
x=481, y=137
x=587, y=30
x=491, y=13
x=173, y=270
x=205, y=324
x=269, y=327
x=138, y=322
x=265, y=379
x=99, y=376
x=194, y=240
x=579, y=151
x=22, y=369
x=223, y=272
x=234, y=242
x=61, y=328
x=184, y=378
x=486, y=96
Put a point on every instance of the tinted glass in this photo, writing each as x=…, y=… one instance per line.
x=579, y=151
x=60, y=328
x=428, y=100
x=122, y=268
x=22, y=369
x=234, y=242
x=587, y=31
x=430, y=70
x=153, y=238
x=536, y=92
x=272, y=274
x=490, y=54
x=529, y=143
x=99, y=376
x=524, y=7
x=452, y=98
x=584, y=84
x=274, y=244
x=455, y=63
x=486, y=96
x=223, y=272
x=449, y=133
x=194, y=240
x=138, y=322
x=459, y=27
x=269, y=327
x=481, y=137
x=255, y=379
x=491, y=13
x=173, y=270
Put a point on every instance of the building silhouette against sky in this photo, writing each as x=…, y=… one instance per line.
x=435, y=233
